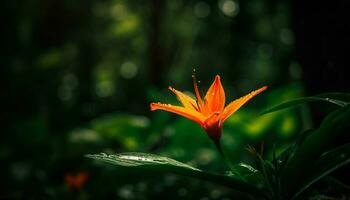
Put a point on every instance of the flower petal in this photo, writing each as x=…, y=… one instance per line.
x=213, y=126
x=215, y=97
x=186, y=101
x=188, y=113
x=202, y=108
x=236, y=104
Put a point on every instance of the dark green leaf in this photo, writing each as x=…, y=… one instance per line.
x=305, y=156
x=336, y=95
x=247, y=173
x=339, y=186
x=287, y=154
x=339, y=99
x=327, y=163
x=143, y=161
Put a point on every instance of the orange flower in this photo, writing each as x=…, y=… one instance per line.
x=210, y=112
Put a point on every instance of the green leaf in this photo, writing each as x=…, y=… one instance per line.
x=336, y=95
x=310, y=150
x=327, y=163
x=339, y=99
x=144, y=161
x=248, y=173
x=287, y=154
x=339, y=186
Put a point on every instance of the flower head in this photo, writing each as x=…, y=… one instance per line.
x=209, y=112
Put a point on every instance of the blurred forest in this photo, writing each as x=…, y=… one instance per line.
x=78, y=77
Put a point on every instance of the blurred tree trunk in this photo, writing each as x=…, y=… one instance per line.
x=322, y=44
x=156, y=62
x=322, y=48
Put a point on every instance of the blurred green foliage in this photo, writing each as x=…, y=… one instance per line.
x=310, y=159
x=81, y=75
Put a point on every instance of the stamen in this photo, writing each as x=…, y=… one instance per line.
x=198, y=96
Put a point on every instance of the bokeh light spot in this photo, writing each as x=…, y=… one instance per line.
x=69, y=83
x=229, y=8
x=287, y=36
x=104, y=88
x=128, y=70
x=202, y=9
x=119, y=12
x=288, y=125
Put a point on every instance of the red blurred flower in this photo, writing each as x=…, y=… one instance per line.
x=74, y=182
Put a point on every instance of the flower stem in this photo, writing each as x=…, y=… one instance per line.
x=223, y=156
x=218, y=147
x=226, y=160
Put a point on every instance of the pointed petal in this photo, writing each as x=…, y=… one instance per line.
x=186, y=101
x=215, y=97
x=236, y=104
x=188, y=113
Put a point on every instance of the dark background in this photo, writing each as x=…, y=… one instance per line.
x=78, y=77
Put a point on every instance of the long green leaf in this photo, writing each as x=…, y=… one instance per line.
x=337, y=185
x=336, y=95
x=328, y=162
x=248, y=173
x=287, y=154
x=141, y=160
x=158, y=163
x=339, y=99
x=305, y=156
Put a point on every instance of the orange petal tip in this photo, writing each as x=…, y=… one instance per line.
x=152, y=106
x=171, y=88
x=264, y=88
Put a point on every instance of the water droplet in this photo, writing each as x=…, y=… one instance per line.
x=103, y=154
x=327, y=99
x=111, y=156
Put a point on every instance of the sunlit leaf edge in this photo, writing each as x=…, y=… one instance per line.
x=297, y=101
x=163, y=164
